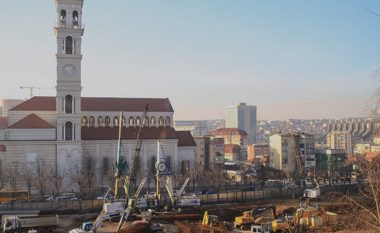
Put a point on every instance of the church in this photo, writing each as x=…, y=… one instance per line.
x=68, y=130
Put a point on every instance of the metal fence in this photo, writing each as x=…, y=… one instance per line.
x=84, y=205
x=222, y=197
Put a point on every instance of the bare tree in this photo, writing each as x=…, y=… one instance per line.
x=13, y=175
x=28, y=176
x=58, y=182
x=78, y=177
x=43, y=176
x=89, y=174
x=363, y=210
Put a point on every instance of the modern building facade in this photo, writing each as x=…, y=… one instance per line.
x=243, y=117
x=329, y=162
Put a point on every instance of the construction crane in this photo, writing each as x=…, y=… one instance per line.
x=299, y=170
x=122, y=169
x=32, y=88
x=136, y=158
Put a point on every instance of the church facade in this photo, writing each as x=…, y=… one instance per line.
x=68, y=130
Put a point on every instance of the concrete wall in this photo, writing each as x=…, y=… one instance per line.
x=30, y=134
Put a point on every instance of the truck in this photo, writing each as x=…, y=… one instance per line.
x=25, y=223
x=110, y=211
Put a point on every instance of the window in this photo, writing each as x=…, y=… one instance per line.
x=169, y=163
x=106, y=166
x=152, y=121
x=131, y=121
x=75, y=19
x=107, y=120
x=185, y=167
x=153, y=164
x=69, y=45
x=100, y=121
x=161, y=121
x=91, y=121
x=146, y=121
x=68, y=104
x=69, y=131
x=138, y=121
x=62, y=18
x=84, y=121
x=116, y=121
x=167, y=121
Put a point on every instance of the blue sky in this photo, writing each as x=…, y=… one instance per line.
x=291, y=58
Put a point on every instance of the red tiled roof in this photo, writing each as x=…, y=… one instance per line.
x=228, y=131
x=185, y=138
x=32, y=121
x=3, y=148
x=128, y=133
x=231, y=148
x=3, y=123
x=43, y=103
x=371, y=155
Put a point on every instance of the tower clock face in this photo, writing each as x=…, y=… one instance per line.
x=68, y=70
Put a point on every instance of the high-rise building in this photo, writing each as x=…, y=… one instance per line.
x=340, y=140
x=243, y=117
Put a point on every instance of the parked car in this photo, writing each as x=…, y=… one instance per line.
x=67, y=196
x=105, y=197
x=48, y=198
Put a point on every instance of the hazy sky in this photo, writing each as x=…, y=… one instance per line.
x=291, y=58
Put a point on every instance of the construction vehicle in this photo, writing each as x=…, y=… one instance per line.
x=309, y=216
x=110, y=211
x=312, y=192
x=26, y=223
x=258, y=215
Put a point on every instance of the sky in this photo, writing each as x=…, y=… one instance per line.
x=292, y=58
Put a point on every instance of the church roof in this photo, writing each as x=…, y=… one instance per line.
x=32, y=121
x=44, y=103
x=3, y=123
x=128, y=133
x=185, y=138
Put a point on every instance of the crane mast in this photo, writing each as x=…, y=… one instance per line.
x=136, y=158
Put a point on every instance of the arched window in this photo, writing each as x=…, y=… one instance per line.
x=167, y=121
x=146, y=121
x=62, y=18
x=69, y=45
x=68, y=131
x=107, y=120
x=131, y=121
x=75, y=18
x=161, y=121
x=84, y=121
x=124, y=121
x=100, y=121
x=185, y=167
x=138, y=121
x=68, y=104
x=116, y=121
x=153, y=121
x=91, y=121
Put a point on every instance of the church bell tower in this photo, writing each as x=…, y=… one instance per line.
x=69, y=32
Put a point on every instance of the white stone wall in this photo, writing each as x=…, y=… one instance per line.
x=30, y=134
x=187, y=153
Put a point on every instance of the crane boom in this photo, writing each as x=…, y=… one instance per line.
x=136, y=158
